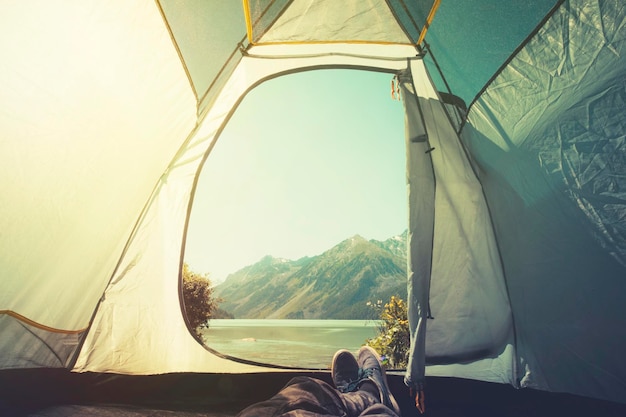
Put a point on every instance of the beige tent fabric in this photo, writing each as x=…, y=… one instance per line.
x=91, y=124
x=331, y=21
x=140, y=316
x=458, y=299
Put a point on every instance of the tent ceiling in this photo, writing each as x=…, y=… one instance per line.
x=206, y=33
x=332, y=21
x=471, y=40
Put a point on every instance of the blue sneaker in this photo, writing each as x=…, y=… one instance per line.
x=372, y=370
x=345, y=371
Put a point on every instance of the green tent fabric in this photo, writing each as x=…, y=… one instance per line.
x=515, y=134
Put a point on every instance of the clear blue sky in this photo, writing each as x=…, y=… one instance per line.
x=307, y=160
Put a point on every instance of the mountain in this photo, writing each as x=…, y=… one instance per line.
x=336, y=284
x=395, y=244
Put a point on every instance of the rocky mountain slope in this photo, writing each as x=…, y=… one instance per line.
x=336, y=284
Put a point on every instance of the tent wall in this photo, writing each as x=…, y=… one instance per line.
x=470, y=40
x=140, y=316
x=109, y=109
x=208, y=36
x=457, y=294
x=107, y=114
x=94, y=104
x=548, y=137
x=205, y=33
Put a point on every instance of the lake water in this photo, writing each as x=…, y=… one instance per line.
x=295, y=343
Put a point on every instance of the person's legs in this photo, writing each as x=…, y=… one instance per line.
x=359, y=392
x=302, y=396
x=378, y=410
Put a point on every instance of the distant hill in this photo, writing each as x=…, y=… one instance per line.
x=334, y=285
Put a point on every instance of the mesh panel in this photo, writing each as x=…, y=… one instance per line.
x=26, y=346
x=206, y=33
x=262, y=13
x=471, y=40
x=412, y=15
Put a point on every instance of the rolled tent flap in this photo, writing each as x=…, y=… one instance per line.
x=455, y=277
x=421, y=194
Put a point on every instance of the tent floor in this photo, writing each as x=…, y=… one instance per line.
x=57, y=392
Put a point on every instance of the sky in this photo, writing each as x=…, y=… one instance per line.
x=307, y=161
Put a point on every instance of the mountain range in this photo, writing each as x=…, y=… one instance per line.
x=336, y=284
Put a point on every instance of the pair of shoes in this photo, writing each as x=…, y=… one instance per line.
x=349, y=374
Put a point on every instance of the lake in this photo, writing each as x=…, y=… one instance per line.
x=294, y=343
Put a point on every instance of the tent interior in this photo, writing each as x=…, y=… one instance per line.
x=515, y=141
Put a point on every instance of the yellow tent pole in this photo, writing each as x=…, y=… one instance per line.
x=246, y=12
x=431, y=16
x=37, y=325
x=248, y=17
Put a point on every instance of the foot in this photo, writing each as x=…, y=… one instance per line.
x=345, y=371
x=372, y=369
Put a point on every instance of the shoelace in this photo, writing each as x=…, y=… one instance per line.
x=353, y=385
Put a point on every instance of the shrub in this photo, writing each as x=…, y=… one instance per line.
x=393, y=340
x=199, y=302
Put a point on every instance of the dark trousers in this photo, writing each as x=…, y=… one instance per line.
x=310, y=397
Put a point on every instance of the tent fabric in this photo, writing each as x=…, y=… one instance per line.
x=486, y=33
x=455, y=273
x=31, y=346
x=414, y=16
x=548, y=140
x=109, y=111
x=205, y=34
x=135, y=317
x=328, y=21
x=69, y=108
x=421, y=197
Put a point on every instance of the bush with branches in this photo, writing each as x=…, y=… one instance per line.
x=198, y=299
x=393, y=340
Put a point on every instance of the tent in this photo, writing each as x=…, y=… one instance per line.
x=515, y=175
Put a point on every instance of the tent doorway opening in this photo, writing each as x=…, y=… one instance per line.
x=299, y=215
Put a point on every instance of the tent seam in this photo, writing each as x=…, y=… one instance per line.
x=429, y=19
x=178, y=51
x=517, y=50
x=253, y=24
x=200, y=101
